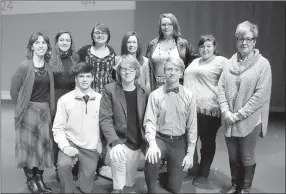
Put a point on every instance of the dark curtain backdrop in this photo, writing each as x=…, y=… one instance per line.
x=221, y=19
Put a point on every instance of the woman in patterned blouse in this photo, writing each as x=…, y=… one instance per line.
x=101, y=56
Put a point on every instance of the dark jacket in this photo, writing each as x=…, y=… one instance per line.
x=113, y=113
x=22, y=83
x=186, y=52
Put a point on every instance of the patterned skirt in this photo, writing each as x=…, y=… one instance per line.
x=34, y=141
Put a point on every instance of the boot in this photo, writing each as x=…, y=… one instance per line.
x=39, y=181
x=235, y=178
x=248, y=177
x=31, y=184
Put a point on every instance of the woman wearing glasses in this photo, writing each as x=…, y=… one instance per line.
x=101, y=56
x=201, y=77
x=168, y=44
x=244, y=98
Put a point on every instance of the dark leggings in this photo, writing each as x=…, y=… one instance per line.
x=241, y=149
x=207, y=131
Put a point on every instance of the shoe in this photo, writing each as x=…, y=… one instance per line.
x=39, y=181
x=32, y=186
x=200, y=180
x=31, y=183
x=236, y=177
x=117, y=191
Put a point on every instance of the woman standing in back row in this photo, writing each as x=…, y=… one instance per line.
x=169, y=44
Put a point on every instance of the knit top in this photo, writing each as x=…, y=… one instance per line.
x=202, y=80
x=246, y=89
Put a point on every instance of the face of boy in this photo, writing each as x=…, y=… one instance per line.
x=83, y=80
x=172, y=73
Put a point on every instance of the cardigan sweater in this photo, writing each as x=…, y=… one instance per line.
x=250, y=98
x=22, y=83
x=202, y=80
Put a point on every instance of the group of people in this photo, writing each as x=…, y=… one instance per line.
x=77, y=108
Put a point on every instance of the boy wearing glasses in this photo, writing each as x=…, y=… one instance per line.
x=121, y=116
x=76, y=131
x=171, y=128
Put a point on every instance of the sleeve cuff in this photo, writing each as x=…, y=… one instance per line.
x=115, y=143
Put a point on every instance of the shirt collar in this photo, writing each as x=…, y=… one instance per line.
x=79, y=94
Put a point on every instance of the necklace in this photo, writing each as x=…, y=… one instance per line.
x=42, y=71
x=168, y=50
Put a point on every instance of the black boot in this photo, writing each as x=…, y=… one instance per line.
x=31, y=183
x=40, y=183
x=248, y=178
x=235, y=178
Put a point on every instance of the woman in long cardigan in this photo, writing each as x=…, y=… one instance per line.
x=32, y=91
x=244, y=91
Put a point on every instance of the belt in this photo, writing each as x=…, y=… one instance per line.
x=171, y=136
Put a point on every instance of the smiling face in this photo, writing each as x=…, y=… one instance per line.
x=64, y=42
x=207, y=49
x=246, y=43
x=83, y=80
x=39, y=47
x=132, y=45
x=167, y=27
x=100, y=37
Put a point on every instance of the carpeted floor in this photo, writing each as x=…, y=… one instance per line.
x=269, y=176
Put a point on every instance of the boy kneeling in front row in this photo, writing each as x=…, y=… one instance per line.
x=76, y=131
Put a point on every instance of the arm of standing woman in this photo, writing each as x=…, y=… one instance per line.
x=17, y=81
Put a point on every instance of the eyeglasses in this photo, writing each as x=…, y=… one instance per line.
x=131, y=69
x=97, y=33
x=247, y=40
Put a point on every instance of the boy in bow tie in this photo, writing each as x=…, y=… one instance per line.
x=171, y=128
x=76, y=131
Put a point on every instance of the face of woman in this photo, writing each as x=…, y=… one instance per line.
x=132, y=44
x=167, y=27
x=245, y=44
x=207, y=50
x=64, y=42
x=100, y=37
x=39, y=47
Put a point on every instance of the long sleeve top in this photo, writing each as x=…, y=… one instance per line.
x=202, y=80
x=77, y=121
x=172, y=114
x=246, y=90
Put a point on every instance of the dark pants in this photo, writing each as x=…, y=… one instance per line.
x=241, y=149
x=87, y=166
x=173, y=151
x=207, y=131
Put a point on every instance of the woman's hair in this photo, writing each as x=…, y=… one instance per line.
x=82, y=67
x=208, y=37
x=245, y=27
x=103, y=28
x=177, y=61
x=176, y=27
x=124, y=50
x=57, y=62
x=33, y=38
x=131, y=60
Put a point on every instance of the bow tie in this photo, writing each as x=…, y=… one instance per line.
x=86, y=98
x=175, y=89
